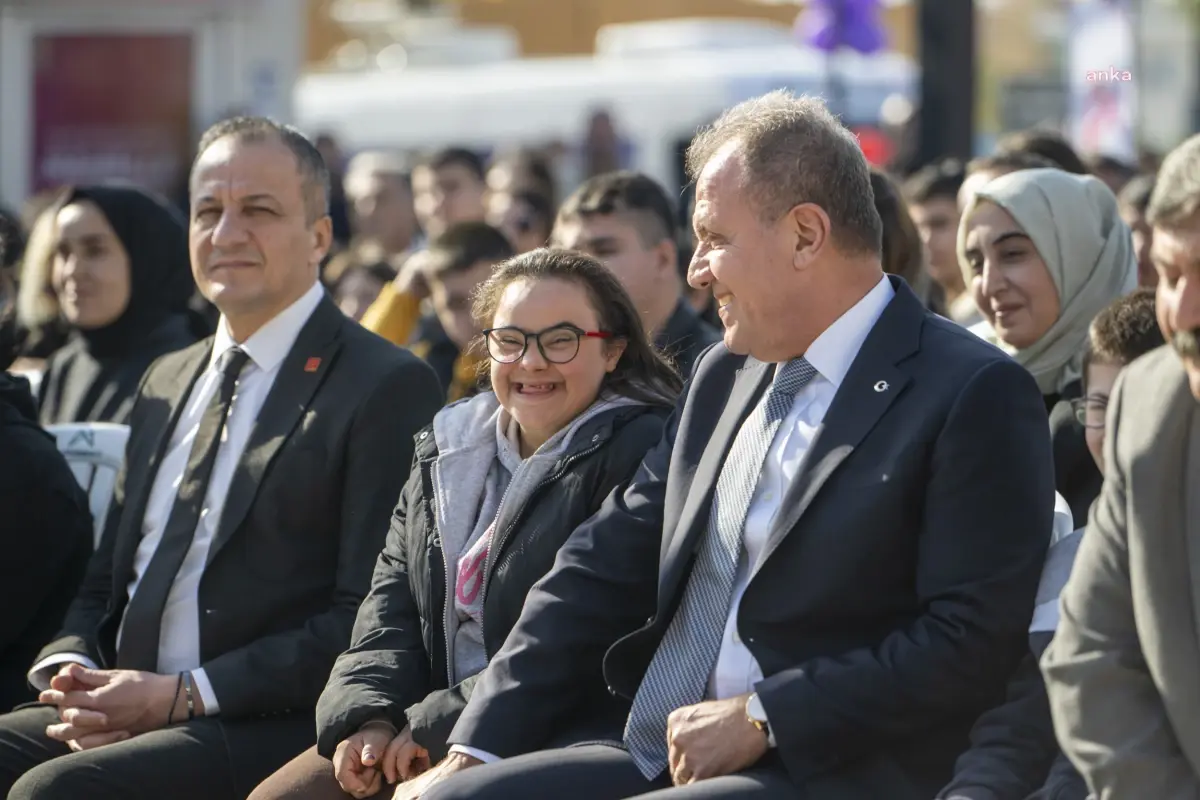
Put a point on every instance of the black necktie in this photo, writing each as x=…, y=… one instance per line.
x=140, y=633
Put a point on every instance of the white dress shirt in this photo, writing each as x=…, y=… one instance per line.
x=831, y=354
x=179, y=643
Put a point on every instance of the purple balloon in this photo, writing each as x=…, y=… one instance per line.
x=832, y=24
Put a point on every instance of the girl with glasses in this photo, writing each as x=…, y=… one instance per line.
x=499, y=482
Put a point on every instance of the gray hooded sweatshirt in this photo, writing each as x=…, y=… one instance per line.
x=480, y=483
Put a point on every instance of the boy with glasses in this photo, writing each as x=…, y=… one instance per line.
x=1122, y=332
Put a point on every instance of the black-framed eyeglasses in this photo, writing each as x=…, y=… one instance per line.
x=558, y=344
x=1090, y=412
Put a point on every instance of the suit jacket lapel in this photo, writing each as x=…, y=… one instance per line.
x=748, y=385
x=300, y=374
x=872, y=384
x=140, y=482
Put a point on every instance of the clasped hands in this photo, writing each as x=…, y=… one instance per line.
x=706, y=740
x=97, y=707
x=362, y=762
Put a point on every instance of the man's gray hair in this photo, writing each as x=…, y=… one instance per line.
x=1176, y=193
x=314, y=174
x=795, y=151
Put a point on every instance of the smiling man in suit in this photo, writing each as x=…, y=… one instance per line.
x=260, y=476
x=825, y=570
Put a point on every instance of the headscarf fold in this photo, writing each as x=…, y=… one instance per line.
x=1073, y=222
x=160, y=277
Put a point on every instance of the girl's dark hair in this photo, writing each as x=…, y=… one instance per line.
x=642, y=373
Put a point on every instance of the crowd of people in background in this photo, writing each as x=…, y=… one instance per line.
x=441, y=485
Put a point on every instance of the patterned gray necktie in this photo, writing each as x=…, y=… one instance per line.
x=679, y=671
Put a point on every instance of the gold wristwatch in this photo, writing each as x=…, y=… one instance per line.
x=756, y=715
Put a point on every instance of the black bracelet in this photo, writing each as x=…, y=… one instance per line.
x=191, y=701
x=175, y=702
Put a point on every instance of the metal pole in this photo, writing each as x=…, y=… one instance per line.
x=947, y=113
x=833, y=78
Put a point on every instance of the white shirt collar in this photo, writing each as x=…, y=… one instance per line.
x=270, y=344
x=832, y=353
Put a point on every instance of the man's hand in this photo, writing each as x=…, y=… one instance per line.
x=411, y=277
x=712, y=739
x=92, y=701
x=356, y=760
x=454, y=763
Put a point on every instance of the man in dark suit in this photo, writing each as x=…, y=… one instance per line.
x=627, y=221
x=260, y=475
x=829, y=562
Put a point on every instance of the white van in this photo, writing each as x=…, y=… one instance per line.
x=657, y=98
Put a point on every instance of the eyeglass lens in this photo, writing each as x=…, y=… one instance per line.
x=1091, y=413
x=557, y=345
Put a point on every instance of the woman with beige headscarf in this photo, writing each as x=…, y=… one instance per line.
x=1043, y=252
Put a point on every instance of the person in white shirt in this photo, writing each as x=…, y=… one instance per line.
x=824, y=571
x=260, y=475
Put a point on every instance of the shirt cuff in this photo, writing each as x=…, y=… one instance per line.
x=482, y=755
x=39, y=677
x=204, y=687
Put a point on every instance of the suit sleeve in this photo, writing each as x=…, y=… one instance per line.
x=988, y=511
x=386, y=667
x=1012, y=745
x=602, y=586
x=1107, y=711
x=288, y=670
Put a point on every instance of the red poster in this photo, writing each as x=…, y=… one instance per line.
x=112, y=107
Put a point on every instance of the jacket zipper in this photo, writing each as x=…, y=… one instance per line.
x=448, y=590
x=497, y=544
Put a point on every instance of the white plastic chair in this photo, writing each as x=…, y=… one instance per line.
x=95, y=452
x=34, y=377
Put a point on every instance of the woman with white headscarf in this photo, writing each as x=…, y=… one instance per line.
x=1043, y=252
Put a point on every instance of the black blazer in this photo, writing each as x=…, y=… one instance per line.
x=79, y=387
x=396, y=667
x=306, y=514
x=45, y=538
x=897, y=585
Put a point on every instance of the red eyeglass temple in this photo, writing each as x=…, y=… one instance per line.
x=597, y=334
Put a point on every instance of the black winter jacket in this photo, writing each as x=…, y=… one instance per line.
x=396, y=667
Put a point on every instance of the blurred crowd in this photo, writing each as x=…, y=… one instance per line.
x=855, y=485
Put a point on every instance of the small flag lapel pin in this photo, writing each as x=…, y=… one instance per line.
x=312, y=365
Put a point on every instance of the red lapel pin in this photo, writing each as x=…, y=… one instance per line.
x=312, y=365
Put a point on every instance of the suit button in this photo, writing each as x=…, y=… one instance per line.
x=649, y=621
x=612, y=691
x=749, y=640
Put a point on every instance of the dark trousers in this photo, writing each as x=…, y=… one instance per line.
x=601, y=772
x=207, y=759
